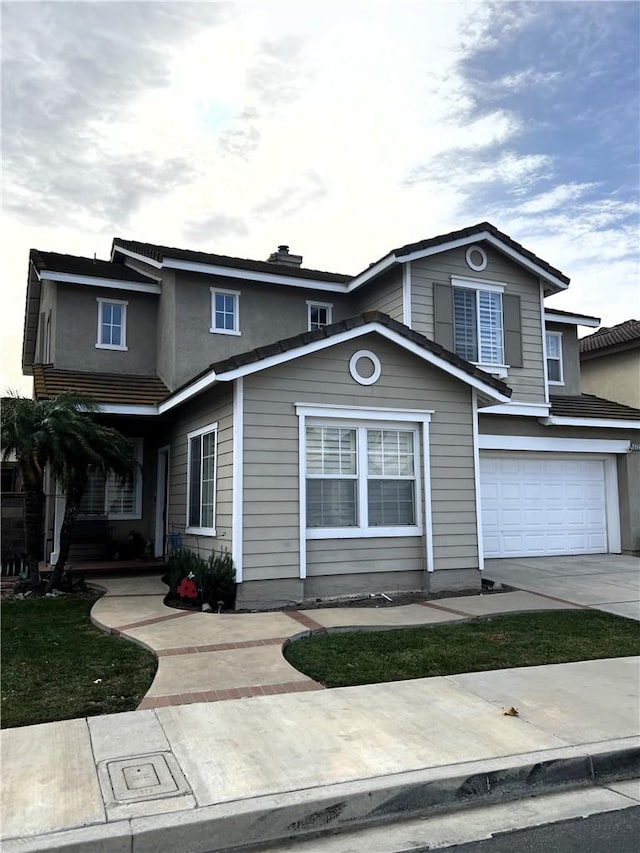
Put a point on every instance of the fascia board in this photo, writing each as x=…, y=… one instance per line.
x=197, y=387
x=552, y=445
x=371, y=272
x=249, y=275
x=592, y=322
x=136, y=256
x=351, y=334
x=127, y=409
x=494, y=241
x=604, y=423
x=93, y=281
x=514, y=408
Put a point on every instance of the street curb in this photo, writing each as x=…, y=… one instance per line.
x=260, y=821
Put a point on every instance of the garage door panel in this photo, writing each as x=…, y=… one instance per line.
x=533, y=506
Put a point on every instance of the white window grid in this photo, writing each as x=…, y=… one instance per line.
x=225, y=311
x=108, y=327
x=207, y=485
x=554, y=354
x=319, y=314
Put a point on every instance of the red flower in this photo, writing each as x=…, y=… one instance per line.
x=187, y=589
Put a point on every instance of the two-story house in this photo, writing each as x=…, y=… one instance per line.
x=340, y=434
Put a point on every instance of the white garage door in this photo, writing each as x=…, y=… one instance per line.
x=542, y=505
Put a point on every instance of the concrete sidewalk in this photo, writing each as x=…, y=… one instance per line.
x=231, y=746
x=219, y=776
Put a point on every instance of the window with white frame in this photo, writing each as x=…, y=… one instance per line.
x=554, y=358
x=478, y=322
x=319, y=315
x=112, y=324
x=225, y=313
x=362, y=476
x=112, y=497
x=201, y=475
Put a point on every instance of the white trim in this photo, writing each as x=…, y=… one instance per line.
x=494, y=241
x=500, y=370
x=312, y=303
x=363, y=532
x=236, y=311
x=102, y=301
x=250, y=275
x=353, y=367
x=483, y=263
x=552, y=316
x=238, y=478
x=349, y=335
x=59, y=505
x=163, y=460
x=374, y=270
x=552, y=445
x=127, y=409
x=151, y=261
x=406, y=295
x=607, y=423
x=302, y=491
x=612, y=506
x=190, y=391
x=94, y=281
x=478, y=284
x=362, y=413
x=202, y=531
x=527, y=410
x=544, y=346
x=428, y=509
x=476, y=471
x=560, y=358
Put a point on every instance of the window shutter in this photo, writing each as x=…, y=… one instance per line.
x=443, y=313
x=512, y=330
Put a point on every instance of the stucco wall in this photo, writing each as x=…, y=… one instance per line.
x=614, y=377
x=570, y=359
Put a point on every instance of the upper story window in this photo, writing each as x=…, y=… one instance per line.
x=478, y=322
x=362, y=477
x=319, y=315
x=112, y=324
x=225, y=312
x=554, y=358
x=201, y=497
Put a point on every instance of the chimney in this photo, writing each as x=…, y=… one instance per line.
x=282, y=256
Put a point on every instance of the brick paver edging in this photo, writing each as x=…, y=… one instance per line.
x=221, y=647
x=445, y=609
x=152, y=621
x=230, y=693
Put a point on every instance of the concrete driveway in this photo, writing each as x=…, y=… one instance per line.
x=609, y=582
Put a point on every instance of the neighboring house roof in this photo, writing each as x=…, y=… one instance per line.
x=161, y=254
x=76, y=265
x=621, y=337
x=264, y=357
x=589, y=406
x=119, y=388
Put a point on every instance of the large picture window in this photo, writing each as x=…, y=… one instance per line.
x=201, y=501
x=363, y=477
x=478, y=325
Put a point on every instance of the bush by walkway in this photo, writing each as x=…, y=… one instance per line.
x=498, y=642
x=56, y=665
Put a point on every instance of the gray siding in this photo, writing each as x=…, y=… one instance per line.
x=527, y=381
x=267, y=313
x=212, y=407
x=570, y=359
x=76, y=330
x=271, y=519
x=384, y=294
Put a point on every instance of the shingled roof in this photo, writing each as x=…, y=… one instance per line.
x=76, y=265
x=255, y=356
x=623, y=336
x=49, y=381
x=588, y=406
x=162, y=253
x=410, y=248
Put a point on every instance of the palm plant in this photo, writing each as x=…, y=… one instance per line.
x=60, y=434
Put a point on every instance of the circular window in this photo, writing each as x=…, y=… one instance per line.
x=364, y=367
x=476, y=258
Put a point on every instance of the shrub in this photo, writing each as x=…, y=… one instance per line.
x=214, y=578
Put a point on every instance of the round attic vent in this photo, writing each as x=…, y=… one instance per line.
x=476, y=258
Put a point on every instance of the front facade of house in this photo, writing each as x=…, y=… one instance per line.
x=340, y=434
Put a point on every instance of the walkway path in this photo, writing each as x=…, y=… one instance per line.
x=207, y=657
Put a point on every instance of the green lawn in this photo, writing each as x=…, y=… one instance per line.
x=499, y=642
x=52, y=657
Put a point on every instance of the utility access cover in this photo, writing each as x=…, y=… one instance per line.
x=141, y=777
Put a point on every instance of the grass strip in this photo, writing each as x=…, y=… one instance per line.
x=56, y=665
x=496, y=642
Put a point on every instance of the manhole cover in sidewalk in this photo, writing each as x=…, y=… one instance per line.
x=141, y=777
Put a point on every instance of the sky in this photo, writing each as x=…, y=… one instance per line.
x=343, y=129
